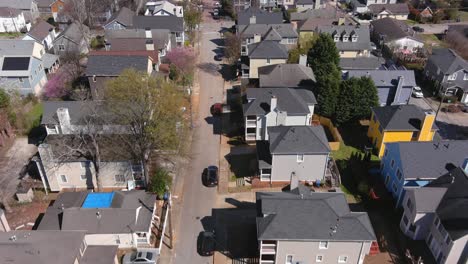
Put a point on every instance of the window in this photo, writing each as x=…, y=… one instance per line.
x=336, y=38
x=398, y=174
x=94, y=78
x=345, y=38
x=319, y=258
x=300, y=158
x=61, y=47
x=63, y=178
x=441, y=230
x=382, y=167
x=84, y=164
x=354, y=38
x=20, y=80
x=323, y=244
x=392, y=163
x=429, y=240
x=342, y=52
x=387, y=179
x=385, y=153
x=465, y=77
x=83, y=177
x=342, y=259
x=119, y=178
x=289, y=259
x=405, y=220
x=452, y=77
x=409, y=204
x=395, y=187
x=447, y=240
x=437, y=222
x=268, y=61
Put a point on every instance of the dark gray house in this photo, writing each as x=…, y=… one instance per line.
x=303, y=226
x=450, y=71
x=121, y=19
x=173, y=23
x=73, y=40
x=254, y=15
x=286, y=75
x=393, y=86
x=101, y=68
x=293, y=151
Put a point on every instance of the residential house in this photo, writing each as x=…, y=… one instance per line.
x=21, y=66
x=400, y=123
x=351, y=41
x=139, y=39
x=426, y=13
x=73, y=40
x=286, y=75
x=302, y=5
x=72, y=117
x=50, y=7
x=393, y=86
x=361, y=6
x=28, y=7
x=163, y=8
x=450, y=71
x=267, y=52
x=120, y=20
x=12, y=20
x=43, y=33
x=44, y=247
x=293, y=151
x=361, y=63
x=303, y=226
x=438, y=213
x=269, y=107
x=254, y=33
x=396, y=11
x=101, y=68
x=172, y=23
x=119, y=218
x=254, y=15
x=412, y=165
x=307, y=28
x=396, y=35
x=61, y=169
x=313, y=13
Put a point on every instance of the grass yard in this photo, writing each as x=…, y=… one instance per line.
x=431, y=40
x=10, y=35
x=463, y=15
x=32, y=118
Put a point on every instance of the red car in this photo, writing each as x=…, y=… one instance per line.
x=216, y=109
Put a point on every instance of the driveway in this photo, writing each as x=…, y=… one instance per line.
x=437, y=28
x=197, y=200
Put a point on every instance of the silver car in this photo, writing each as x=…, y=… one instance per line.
x=141, y=256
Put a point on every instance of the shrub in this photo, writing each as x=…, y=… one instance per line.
x=160, y=182
x=4, y=99
x=97, y=42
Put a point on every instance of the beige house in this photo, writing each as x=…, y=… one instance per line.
x=352, y=41
x=267, y=52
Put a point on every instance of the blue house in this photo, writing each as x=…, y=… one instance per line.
x=415, y=164
x=21, y=66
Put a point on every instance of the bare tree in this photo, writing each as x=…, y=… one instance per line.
x=457, y=41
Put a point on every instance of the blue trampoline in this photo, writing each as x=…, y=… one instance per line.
x=98, y=200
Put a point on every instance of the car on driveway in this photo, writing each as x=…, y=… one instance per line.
x=143, y=256
x=210, y=176
x=418, y=29
x=417, y=92
x=206, y=243
x=218, y=57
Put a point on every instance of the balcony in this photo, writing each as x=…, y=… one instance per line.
x=268, y=249
x=251, y=123
x=250, y=137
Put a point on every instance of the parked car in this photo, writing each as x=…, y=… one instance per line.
x=216, y=109
x=206, y=243
x=215, y=13
x=417, y=92
x=210, y=176
x=418, y=29
x=143, y=256
x=218, y=57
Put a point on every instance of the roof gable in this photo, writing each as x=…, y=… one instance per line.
x=298, y=140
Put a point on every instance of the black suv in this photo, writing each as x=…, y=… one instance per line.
x=210, y=176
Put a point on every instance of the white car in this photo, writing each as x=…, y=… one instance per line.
x=417, y=92
x=143, y=256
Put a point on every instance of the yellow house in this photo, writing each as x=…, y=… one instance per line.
x=398, y=123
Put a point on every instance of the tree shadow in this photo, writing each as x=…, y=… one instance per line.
x=355, y=135
x=216, y=123
x=228, y=72
x=209, y=67
x=452, y=131
x=218, y=41
x=36, y=135
x=242, y=160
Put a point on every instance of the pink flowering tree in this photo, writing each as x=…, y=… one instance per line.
x=183, y=58
x=57, y=85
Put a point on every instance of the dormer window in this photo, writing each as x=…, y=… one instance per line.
x=345, y=37
x=336, y=38
x=452, y=77
x=354, y=38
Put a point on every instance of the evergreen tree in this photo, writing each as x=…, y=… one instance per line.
x=349, y=90
x=367, y=97
x=327, y=89
x=323, y=52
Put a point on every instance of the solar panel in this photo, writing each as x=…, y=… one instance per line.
x=16, y=64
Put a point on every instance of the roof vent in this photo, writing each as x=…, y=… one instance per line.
x=13, y=238
x=98, y=215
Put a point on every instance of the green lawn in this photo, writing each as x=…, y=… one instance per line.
x=463, y=15
x=411, y=22
x=10, y=34
x=432, y=40
x=33, y=117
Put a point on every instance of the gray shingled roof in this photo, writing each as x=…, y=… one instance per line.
x=106, y=65
x=428, y=160
x=285, y=75
x=385, y=78
x=76, y=109
x=362, y=32
x=73, y=33
x=447, y=60
x=121, y=217
x=135, y=39
x=99, y=255
x=265, y=30
x=267, y=49
x=453, y=208
x=400, y=117
x=426, y=199
x=16, y=47
x=393, y=29
x=312, y=23
x=361, y=63
x=298, y=140
x=310, y=217
x=396, y=9
x=20, y=4
x=314, y=13
x=173, y=23
x=261, y=16
x=124, y=16
x=40, y=247
x=44, y=3
x=8, y=12
x=294, y=101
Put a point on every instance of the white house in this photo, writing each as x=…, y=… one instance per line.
x=163, y=8
x=396, y=35
x=43, y=33
x=269, y=107
x=12, y=20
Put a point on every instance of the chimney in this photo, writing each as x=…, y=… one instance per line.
x=273, y=103
x=426, y=133
x=175, y=11
x=149, y=44
x=108, y=46
x=253, y=20
x=317, y=4
x=303, y=59
x=28, y=26
x=257, y=38
x=148, y=33
x=64, y=120
x=398, y=89
x=4, y=227
x=294, y=181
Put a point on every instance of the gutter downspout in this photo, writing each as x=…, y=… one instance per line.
x=40, y=168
